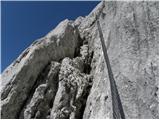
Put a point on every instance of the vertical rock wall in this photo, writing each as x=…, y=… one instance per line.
x=130, y=30
x=64, y=75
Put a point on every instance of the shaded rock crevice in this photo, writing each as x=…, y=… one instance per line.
x=75, y=82
x=39, y=100
x=42, y=93
x=64, y=75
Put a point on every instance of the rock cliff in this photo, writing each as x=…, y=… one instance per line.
x=64, y=74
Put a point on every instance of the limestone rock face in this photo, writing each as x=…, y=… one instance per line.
x=19, y=79
x=38, y=106
x=64, y=74
x=73, y=89
x=130, y=30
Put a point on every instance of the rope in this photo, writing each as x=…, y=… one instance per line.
x=116, y=102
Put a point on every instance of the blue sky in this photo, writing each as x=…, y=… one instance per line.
x=23, y=22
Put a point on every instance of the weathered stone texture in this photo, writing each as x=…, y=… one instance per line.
x=19, y=78
x=64, y=74
x=130, y=30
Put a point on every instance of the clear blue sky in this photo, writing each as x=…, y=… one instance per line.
x=23, y=22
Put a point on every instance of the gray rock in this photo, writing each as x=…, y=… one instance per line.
x=33, y=86
x=130, y=30
x=73, y=91
x=19, y=78
x=41, y=101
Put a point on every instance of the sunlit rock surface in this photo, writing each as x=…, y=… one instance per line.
x=64, y=74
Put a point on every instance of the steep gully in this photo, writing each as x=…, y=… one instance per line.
x=40, y=107
x=31, y=109
x=62, y=87
x=47, y=89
